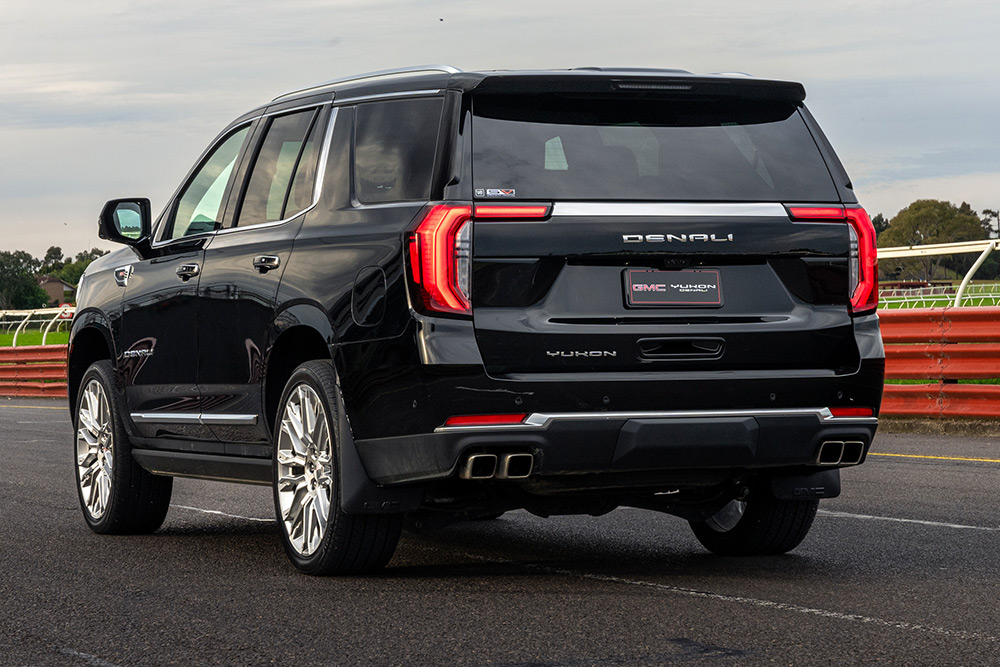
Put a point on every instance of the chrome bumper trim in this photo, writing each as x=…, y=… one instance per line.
x=540, y=420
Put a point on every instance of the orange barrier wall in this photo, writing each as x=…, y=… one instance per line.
x=944, y=345
x=939, y=344
x=33, y=370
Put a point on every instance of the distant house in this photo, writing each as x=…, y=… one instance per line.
x=59, y=291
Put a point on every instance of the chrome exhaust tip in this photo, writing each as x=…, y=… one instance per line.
x=830, y=453
x=479, y=466
x=515, y=466
x=837, y=453
x=853, y=453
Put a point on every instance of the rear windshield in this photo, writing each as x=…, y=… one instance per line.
x=580, y=148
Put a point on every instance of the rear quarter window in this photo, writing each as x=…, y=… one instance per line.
x=394, y=148
x=610, y=148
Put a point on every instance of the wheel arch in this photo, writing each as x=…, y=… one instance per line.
x=300, y=334
x=90, y=340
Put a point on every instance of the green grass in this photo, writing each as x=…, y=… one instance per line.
x=34, y=337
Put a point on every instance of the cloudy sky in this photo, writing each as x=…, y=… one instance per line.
x=117, y=98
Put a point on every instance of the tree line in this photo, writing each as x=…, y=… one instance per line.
x=19, y=273
x=929, y=221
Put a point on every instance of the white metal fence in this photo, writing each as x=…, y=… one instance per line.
x=45, y=320
x=985, y=294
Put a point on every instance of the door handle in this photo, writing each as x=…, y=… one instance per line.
x=188, y=271
x=265, y=263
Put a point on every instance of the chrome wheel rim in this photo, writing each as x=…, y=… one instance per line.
x=726, y=519
x=94, y=449
x=305, y=470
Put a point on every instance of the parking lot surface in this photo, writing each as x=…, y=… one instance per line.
x=902, y=568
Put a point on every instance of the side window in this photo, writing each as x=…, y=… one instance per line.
x=394, y=147
x=284, y=170
x=200, y=206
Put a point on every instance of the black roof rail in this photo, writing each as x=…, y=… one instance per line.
x=448, y=69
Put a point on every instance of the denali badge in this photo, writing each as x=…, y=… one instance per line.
x=581, y=353
x=679, y=238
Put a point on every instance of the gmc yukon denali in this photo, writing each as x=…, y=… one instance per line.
x=433, y=295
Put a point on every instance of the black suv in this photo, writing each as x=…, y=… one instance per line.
x=442, y=295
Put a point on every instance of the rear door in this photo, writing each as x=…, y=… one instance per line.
x=242, y=270
x=666, y=242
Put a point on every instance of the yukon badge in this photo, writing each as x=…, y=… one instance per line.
x=677, y=238
x=581, y=353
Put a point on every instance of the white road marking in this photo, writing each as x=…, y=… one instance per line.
x=86, y=657
x=780, y=606
x=935, y=524
x=755, y=602
x=234, y=516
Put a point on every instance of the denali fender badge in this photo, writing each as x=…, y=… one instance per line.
x=677, y=238
x=581, y=353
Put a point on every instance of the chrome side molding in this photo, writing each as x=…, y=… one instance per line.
x=205, y=419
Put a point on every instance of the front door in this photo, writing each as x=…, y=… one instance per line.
x=159, y=331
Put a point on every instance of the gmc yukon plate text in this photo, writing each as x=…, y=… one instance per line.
x=673, y=288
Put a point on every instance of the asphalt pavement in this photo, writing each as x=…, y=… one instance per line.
x=903, y=568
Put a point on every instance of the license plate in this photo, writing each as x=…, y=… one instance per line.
x=696, y=287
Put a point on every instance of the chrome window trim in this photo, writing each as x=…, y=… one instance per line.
x=383, y=96
x=191, y=418
x=282, y=112
x=324, y=153
x=540, y=420
x=678, y=210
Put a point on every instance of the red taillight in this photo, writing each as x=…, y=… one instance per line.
x=865, y=296
x=484, y=420
x=440, y=243
x=852, y=412
x=532, y=212
x=441, y=251
x=864, y=255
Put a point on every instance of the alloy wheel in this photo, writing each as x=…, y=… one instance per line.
x=94, y=449
x=305, y=470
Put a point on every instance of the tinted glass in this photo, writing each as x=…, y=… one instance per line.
x=271, y=174
x=394, y=149
x=300, y=196
x=729, y=149
x=200, y=206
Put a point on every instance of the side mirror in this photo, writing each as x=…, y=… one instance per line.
x=126, y=221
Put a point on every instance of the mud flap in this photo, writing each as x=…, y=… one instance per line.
x=358, y=494
x=823, y=484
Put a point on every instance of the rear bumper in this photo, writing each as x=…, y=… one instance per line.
x=601, y=442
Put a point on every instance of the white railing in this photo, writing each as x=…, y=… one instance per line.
x=18, y=320
x=985, y=294
x=984, y=247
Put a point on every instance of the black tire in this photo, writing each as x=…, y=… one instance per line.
x=128, y=500
x=349, y=543
x=767, y=526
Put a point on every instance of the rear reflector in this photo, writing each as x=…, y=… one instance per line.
x=484, y=420
x=852, y=412
x=863, y=288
